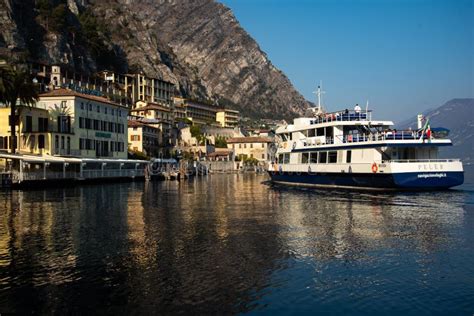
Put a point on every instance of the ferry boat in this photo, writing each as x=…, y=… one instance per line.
x=349, y=149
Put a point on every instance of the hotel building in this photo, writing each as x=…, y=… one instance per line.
x=251, y=147
x=144, y=138
x=228, y=118
x=84, y=125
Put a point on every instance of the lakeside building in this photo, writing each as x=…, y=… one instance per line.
x=211, y=133
x=153, y=91
x=159, y=117
x=123, y=89
x=83, y=125
x=33, y=127
x=252, y=147
x=199, y=113
x=117, y=88
x=144, y=138
x=228, y=117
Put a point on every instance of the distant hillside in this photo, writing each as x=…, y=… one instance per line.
x=458, y=116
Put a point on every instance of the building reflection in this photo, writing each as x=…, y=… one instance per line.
x=208, y=245
x=207, y=253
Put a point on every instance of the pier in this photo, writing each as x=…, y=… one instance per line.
x=27, y=170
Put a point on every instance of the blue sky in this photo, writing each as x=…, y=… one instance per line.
x=404, y=56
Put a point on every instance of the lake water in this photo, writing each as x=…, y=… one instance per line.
x=229, y=244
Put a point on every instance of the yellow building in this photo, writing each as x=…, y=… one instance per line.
x=86, y=126
x=228, y=117
x=179, y=109
x=144, y=138
x=157, y=116
x=199, y=113
x=251, y=147
x=153, y=90
x=31, y=129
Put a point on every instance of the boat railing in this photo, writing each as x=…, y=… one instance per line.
x=342, y=116
x=358, y=138
x=419, y=160
x=386, y=135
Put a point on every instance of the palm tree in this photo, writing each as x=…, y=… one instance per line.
x=16, y=85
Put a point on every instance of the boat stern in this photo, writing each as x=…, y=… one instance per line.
x=427, y=174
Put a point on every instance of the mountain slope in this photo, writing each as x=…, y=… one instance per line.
x=198, y=45
x=458, y=116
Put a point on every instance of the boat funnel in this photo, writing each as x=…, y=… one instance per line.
x=419, y=121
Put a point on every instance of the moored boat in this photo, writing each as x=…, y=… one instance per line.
x=349, y=149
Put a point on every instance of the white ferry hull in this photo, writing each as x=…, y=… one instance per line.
x=407, y=181
x=393, y=176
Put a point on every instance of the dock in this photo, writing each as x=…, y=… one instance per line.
x=20, y=171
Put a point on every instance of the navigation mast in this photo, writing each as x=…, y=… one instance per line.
x=319, y=92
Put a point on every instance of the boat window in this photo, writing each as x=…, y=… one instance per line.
x=329, y=131
x=314, y=157
x=286, y=158
x=304, y=157
x=348, y=156
x=320, y=131
x=311, y=132
x=332, y=156
x=280, y=158
x=323, y=157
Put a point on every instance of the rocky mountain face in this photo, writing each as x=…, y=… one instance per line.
x=198, y=45
x=457, y=115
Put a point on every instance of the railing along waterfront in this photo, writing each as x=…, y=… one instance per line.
x=112, y=173
x=86, y=174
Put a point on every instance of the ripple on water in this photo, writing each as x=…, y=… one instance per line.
x=229, y=244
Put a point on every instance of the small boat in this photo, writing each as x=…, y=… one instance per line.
x=349, y=149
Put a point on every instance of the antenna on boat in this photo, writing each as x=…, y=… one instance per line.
x=367, y=106
x=319, y=92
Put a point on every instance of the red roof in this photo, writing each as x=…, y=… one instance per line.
x=257, y=139
x=135, y=123
x=63, y=92
x=151, y=106
x=220, y=153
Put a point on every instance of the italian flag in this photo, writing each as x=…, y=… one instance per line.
x=427, y=129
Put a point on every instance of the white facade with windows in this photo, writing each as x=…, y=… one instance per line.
x=85, y=126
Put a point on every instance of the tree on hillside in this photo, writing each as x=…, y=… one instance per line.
x=16, y=85
x=196, y=132
x=221, y=142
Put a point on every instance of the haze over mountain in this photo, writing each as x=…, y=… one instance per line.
x=457, y=115
x=198, y=45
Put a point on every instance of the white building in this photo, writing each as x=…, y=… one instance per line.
x=85, y=125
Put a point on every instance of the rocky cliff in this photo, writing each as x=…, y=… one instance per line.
x=198, y=45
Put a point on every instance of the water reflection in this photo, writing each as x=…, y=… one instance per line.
x=229, y=244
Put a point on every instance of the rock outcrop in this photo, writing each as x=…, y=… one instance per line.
x=198, y=45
